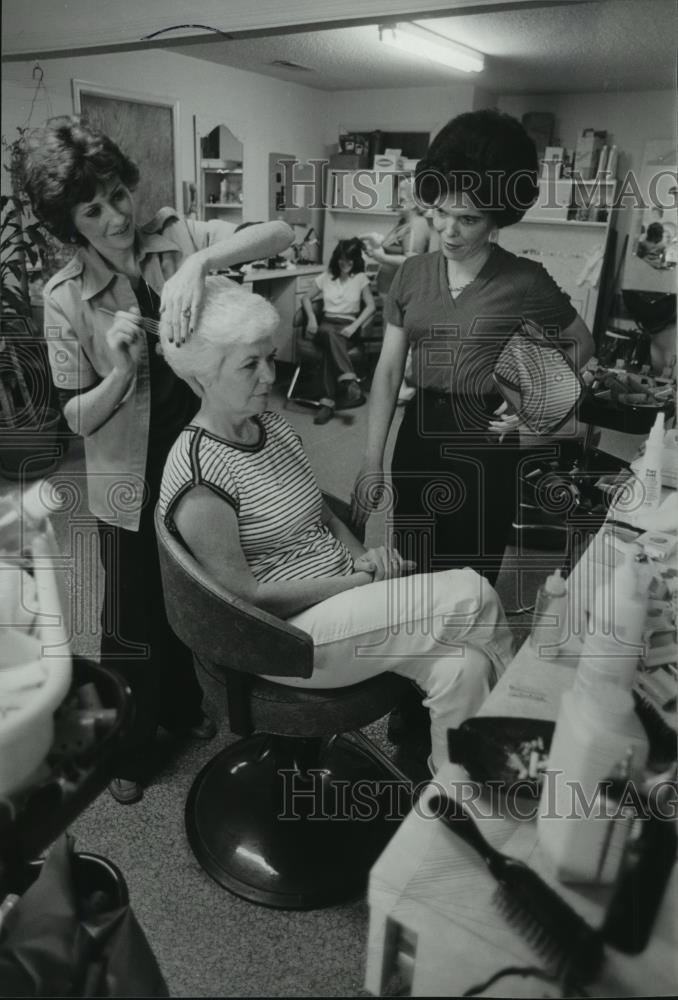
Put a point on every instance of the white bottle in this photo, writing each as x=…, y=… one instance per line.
x=651, y=466
x=550, y=617
x=638, y=503
x=592, y=735
x=613, y=638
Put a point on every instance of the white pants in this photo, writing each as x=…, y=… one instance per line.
x=445, y=631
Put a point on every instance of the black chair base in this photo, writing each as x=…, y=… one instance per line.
x=295, y=823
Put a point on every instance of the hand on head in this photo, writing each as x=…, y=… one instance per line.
x=182, y=299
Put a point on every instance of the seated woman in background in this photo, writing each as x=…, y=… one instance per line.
x=238, y=490
x=347, y=302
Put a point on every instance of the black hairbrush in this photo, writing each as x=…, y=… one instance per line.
x=567, y=943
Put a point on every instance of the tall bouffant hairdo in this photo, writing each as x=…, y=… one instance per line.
x=489, y=156
x=65, y=163
x=352, y=249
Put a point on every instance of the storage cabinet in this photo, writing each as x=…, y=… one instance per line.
x=220, y=175
x=221, y=193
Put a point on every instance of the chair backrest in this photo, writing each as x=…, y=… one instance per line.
x=300, y=318
x=221, y=628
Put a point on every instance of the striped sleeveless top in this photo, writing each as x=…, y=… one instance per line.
x=273, y=491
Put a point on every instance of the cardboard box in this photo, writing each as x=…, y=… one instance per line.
x=553, y=201
x=349, y=161
x=589, y=145
x=388, y=161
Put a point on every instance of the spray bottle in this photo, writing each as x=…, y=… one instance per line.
x=641, y=501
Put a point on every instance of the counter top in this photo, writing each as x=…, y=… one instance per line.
x=271, y=273
x=433, y=917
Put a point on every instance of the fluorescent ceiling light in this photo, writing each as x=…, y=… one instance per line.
x=426, y=44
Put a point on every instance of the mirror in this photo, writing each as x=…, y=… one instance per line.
x=219, y=172
x=653, y=250
x=294, y=206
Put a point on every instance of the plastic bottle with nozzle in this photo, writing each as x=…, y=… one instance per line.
x=550, y=617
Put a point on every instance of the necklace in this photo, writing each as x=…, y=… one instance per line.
x=457, y=285
x=455, y=289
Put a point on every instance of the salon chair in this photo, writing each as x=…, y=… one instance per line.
x=308, y=356
x=299, y=755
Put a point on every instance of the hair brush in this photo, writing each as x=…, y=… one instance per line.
x=572, y=949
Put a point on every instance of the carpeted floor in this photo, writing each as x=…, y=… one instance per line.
x=208, y=942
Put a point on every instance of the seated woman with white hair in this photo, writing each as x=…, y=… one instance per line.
x=239, y=492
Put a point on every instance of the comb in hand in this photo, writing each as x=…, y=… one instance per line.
x=150, y=325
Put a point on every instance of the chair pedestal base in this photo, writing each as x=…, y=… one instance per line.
x=295, y=823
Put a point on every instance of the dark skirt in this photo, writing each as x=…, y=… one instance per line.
x=455, y=487
x=137, y=640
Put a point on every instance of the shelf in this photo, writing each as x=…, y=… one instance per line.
x=562, y=222
x=222, y=204
x=364, y=211
x=607, y=181
x=220, y=170
x=371, y=170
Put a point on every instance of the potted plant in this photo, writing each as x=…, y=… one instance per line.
x=29, y=416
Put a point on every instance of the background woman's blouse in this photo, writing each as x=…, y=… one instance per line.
x=342, y=298
x=273, y=491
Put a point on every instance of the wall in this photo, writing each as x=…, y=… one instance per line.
x=630, y=118
x=265, y=114
x=406, y=109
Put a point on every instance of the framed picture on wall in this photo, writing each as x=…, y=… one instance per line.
x=146, y=128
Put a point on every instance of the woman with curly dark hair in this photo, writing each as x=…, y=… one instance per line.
x=454, y=466
x=347, y=301
x=120, y=395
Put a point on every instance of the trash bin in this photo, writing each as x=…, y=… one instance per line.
x=98, y=883
x=71, y=932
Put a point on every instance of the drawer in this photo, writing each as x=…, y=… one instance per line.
x=306, y=283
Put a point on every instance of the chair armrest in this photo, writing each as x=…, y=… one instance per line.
x=219, y=626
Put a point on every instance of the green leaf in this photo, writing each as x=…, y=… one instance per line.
x=35, y=233
x=11, y=219
x=15, y=268
x=15, y=301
